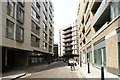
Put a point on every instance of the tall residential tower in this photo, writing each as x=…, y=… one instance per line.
x=27, y=32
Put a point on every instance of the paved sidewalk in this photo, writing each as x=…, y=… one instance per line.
x=94, y=72
x=19, y=72
x=13, y=75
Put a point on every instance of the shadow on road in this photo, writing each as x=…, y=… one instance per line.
x=39, y=68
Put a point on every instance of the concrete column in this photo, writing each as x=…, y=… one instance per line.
x=6, y=63
x=0, y=61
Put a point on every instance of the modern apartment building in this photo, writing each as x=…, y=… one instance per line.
x=99, y=33
x=27, y=32
x=70, y=42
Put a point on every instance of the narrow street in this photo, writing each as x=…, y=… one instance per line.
x=57, y=70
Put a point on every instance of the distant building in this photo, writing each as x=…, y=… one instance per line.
x=56, y=51
x=27, y=32
x=70, y=41
x=99, y=34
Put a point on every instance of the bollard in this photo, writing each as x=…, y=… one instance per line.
x=102, y=73
x=88, y=67
x=80, y=63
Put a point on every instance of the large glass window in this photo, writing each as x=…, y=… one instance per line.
x=10, y=8
x=20, y=15
x=98, y=57
x=9, y=29
x=115, y=9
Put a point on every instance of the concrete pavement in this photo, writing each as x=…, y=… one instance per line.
x=19, y=72
x=95, y=73
x=59, y=70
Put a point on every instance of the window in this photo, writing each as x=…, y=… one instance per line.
x=10, y=8
x=44, y=45
x=36, y=4
x=35, y=28
x=50, y=33
x=50, y=41
x=35, y=41
x=95, y=56
x=9, y=29
x=19, y=34
x=35, y=15
x=98, y=57
x=50, y=48
x=20, y=15
x=45, y=36
x=115, y=9
x=22, y=2
x=89, y=57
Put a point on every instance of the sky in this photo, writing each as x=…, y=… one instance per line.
x=65, y=13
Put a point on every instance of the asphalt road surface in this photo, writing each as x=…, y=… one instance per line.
x=56, y=71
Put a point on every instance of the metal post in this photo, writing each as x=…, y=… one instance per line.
x=102, y=67
x=88, y=66
x=80, y=61
x=102, y=73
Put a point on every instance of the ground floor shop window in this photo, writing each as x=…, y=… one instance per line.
x=99, y=60
x=98, y=57
x=89, y=57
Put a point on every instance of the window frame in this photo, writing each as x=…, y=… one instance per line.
x=18, y=34
x=19, y=11
x=9, y=2
x=8, y=26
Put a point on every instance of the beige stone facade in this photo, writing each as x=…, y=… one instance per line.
x=99, y=24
